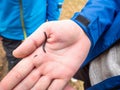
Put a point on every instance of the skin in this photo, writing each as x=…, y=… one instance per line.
x=66, y=48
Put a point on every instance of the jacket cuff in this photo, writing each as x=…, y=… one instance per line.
x=86, y=25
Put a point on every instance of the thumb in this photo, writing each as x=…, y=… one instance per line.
x=31, y=43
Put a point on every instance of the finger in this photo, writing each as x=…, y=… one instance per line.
x=31, y=43
x=57, y=84
x=29, y=81
x=43, y=83
x=69, y=87
x=18, y=73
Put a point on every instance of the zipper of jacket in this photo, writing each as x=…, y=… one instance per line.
x=22, y=20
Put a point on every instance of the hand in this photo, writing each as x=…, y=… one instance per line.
x=1, y=38
x=66, y=48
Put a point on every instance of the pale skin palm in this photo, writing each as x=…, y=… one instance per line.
x=66, y=48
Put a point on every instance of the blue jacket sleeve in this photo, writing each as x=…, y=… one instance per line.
x=54, y=9
x=100, y=20
x=112, y=83
x=99, y=15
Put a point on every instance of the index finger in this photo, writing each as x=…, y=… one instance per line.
x=17, y=74
x=31, y=43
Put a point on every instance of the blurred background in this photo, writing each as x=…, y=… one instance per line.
x=69, y=8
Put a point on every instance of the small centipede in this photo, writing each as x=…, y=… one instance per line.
x=43, y=46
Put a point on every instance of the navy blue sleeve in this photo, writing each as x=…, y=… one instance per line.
x=112, y=83
x=98, y=17
x=100, y=20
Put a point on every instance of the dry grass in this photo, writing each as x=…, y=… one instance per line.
x=3, y=63
x=70, y=7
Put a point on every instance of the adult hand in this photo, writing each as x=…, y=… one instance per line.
x=66, y=48
x=1, y=38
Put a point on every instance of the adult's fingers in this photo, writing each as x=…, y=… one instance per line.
x=29, y=81
x=57, y=84
x=69, y=87
x=43, y=83
x=16, y=75
x=31, y=43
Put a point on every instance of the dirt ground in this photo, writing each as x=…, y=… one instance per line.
x=69, y=7
x=3, y=62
